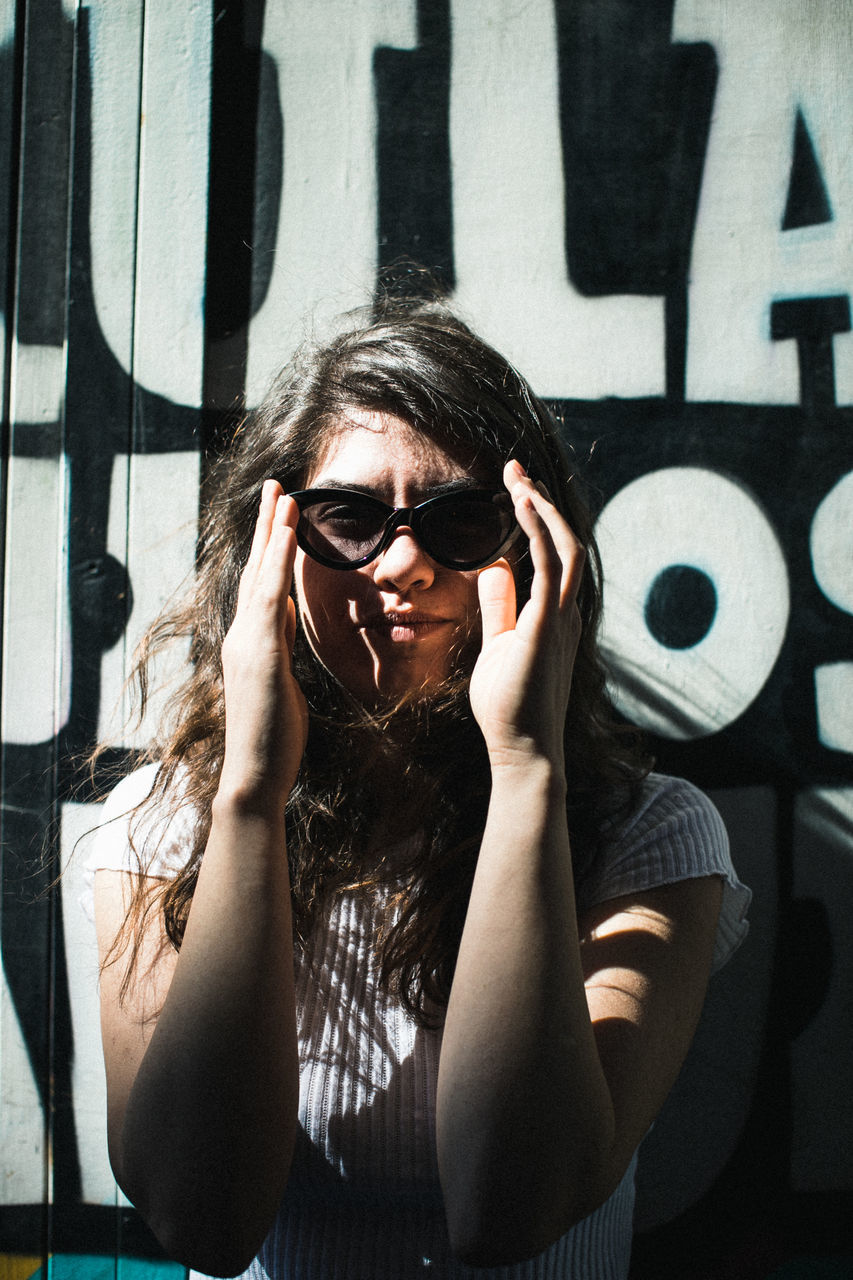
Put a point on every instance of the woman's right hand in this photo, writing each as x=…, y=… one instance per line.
x=266, y=717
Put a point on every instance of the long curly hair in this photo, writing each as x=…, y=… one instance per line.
x=421, y=764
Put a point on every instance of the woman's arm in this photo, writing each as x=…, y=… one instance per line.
x=560, y=1044
x=201, y=1060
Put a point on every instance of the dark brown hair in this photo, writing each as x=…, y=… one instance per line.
x=421, y=364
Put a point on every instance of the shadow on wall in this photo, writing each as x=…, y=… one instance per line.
x=741, y=1169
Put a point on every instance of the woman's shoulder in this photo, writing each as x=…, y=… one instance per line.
x=671, y=816
x=141, y=830
x=674, y=832
x=130, y=792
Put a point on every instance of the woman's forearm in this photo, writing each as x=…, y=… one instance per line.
x=524, y=1114
x=209, y=1123
x=203, y=1117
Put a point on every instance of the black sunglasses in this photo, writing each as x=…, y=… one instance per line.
x=344, y=529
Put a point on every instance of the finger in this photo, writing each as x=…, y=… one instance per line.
x=275, y=571
x=270, y=494
x=552, y=534
x=547, y=564
x=520, y=486
x=496, y=589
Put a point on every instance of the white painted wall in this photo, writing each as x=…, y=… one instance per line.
x=150, y=121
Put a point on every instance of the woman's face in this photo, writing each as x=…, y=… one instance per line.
x=396, y=625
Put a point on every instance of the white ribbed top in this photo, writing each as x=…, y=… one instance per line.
x=363, y=1201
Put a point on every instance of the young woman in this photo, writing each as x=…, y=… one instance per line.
x=402, y=947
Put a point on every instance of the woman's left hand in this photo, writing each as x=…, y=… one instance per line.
x=522, y=679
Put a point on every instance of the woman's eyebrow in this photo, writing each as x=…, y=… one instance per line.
x=458, y=484
x=350, y=486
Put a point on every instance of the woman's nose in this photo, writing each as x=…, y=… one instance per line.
x=404, y=563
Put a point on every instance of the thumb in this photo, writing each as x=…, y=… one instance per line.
x=496, y=589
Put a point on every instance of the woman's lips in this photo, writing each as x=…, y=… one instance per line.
x=401, y=625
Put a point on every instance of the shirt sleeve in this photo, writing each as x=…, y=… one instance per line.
x=143, y=840
x=674, y=834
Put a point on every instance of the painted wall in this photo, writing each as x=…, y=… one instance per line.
x=650, y=208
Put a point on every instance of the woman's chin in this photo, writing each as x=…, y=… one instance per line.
x=383, y=675
x=390, y=690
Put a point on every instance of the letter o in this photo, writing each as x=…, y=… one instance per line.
x=690, y=518
x=831, y=542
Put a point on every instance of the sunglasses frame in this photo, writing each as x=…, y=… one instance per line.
x=399, y=516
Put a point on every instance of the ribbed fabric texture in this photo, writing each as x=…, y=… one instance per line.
x=363, y=1201
x=674, y=834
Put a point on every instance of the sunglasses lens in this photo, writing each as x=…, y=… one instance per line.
x=467, y=530
x=461, y=531
x=344, y=529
